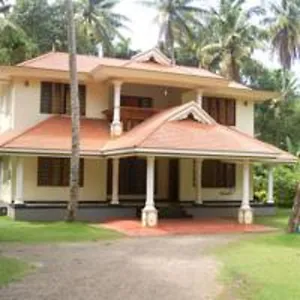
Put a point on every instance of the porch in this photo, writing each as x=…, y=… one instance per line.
x=134, y=228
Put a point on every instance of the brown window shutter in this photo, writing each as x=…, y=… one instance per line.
x=205, y=104
x=222, y=111
x=216, y=174
x=82, y=99
x=231, y=112
x=109, y=177
x=81, y=172
x=46, y=98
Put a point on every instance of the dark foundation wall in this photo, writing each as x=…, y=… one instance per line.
x=96, y=213
x=58, y=213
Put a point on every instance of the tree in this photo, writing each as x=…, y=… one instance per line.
x=284, y=31
x=175, y=18
x=4, y=7
x=75, y=113
x=123, y=50
x=294, y=220
x=99, y=23
x=15, y=45
x=233, y=38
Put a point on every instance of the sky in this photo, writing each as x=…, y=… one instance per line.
x=143, y=32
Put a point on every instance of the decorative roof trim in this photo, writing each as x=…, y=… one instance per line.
x=154, y=54
x=196, y=111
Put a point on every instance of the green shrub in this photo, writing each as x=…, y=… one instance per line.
x=285, y=182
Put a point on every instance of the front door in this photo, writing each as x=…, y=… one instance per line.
x=174, y=180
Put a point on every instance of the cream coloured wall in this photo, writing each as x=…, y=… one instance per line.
x=5, y=107
x=244, y=112
x=245, y=116
x=26, y=103
x=97, y=99
x=7, y=179
x=163, y=97
x=187, y=191
x=94, y=188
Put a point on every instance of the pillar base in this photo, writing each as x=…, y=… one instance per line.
x=245, y=216
x=18, y=201
x=116, y=129
x=114, y=202
x=198, y=202
x=149, y=217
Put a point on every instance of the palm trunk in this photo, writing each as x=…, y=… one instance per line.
x=294, y=220
x=74, y=165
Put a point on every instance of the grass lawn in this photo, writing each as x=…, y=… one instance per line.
x=264, y=267
x=11, y=269
x=28, y=232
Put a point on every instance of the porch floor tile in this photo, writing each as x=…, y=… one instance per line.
x=172, y=227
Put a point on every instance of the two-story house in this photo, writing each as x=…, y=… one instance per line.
x=153, y=135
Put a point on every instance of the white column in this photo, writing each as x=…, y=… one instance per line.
x=115, y=181
x=246, y=185
x=199, y=96
x=150, y=183
x=116, y=126
x=149, y=213
x=245, y=213
x=19, y=181
x=270, y=185
x=198, y=177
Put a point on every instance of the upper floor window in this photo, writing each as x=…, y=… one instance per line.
x=221, y=109
x=135, y=101
x=55, y=98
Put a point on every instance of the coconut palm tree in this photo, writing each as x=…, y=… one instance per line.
x=284, y=31
x=175, y=17
x=74, y=165
x=99, y=22
x=233, y=38
x=4, y=7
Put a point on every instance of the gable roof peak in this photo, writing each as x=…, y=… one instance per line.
x=153, y=54
x=195, y=110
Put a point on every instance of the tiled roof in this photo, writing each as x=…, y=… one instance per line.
x=159, y=134
x=59, y=61
x=54, y=135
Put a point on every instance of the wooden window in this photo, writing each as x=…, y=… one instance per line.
x=132, y=174
x=221, y=109
x=134, y=101
x=216, y=174
x=54, y=171
x=55, y=98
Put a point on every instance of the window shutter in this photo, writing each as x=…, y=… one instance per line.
x=82, y=99
x=53, y=171
x=231, y=113
x=222, y=111
x=216, y=174
x=81, y=172
x=46, y=98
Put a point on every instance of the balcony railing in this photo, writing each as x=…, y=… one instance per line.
x=132, y=116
